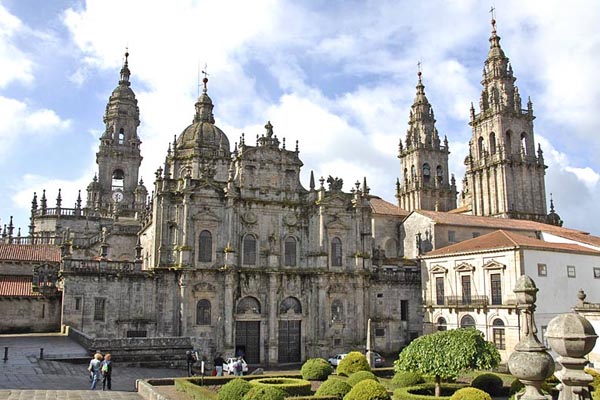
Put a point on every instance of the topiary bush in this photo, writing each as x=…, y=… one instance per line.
x=470, y=393
x=596, y=382
x=316, y=369
x=292, y=386
x=407, y=378
x=489, y=383
x=264, y=392
x=361, y=376
x=353, y=362
x=425, y=391
x=333, y=387
x=235, y=389
x=368, y=390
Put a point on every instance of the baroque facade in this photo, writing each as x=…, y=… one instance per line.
x=234, y=253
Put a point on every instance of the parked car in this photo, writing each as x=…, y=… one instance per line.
x=228, y=365
x=379, y=360
x=335, y=360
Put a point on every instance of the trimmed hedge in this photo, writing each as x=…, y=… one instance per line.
x=596, y=382
x=368, y=390
x=334, y=387
x=194, y=391
x=470, y=393
x=234, y=390
x=292, y=387
x=316, y=369
x=355, y=361
x=489, y=383
x=264, y=392
x=426, y=391
x=548, y=387
x=313, y=398
x=361, y=376
x=406, y=379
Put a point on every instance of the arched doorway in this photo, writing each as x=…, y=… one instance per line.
x=247, y=330
x=289, y=332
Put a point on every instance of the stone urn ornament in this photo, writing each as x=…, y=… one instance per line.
x=530, y=362
x=572, y=337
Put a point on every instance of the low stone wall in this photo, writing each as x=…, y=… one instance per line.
x=147, y=391
x=160, y=352
x=29, y=314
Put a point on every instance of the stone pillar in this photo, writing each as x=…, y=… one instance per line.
x=228, y=311
x=272, y=321
x=572, y=337
x=530, y=362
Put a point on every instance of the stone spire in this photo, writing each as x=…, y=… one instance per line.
x=204, y=106
x=421, y=131
x=125, y=73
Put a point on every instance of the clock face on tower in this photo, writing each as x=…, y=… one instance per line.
x=117, y=196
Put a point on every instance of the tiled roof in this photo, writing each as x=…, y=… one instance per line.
x=445, y=218
x=380, y=206
x=16, y=285
x=29, y=252
x=506, y=240
x=579, y=237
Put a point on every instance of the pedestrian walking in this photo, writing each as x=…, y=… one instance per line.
x=94, y=368
x=219, y=361
x=106, y=370
x=190, y=358
x=238, y=367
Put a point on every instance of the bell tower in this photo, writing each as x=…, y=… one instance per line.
x=504, y=172
x=119, y=156
x=424, y=162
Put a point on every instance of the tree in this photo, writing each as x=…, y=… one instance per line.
x=445, y=354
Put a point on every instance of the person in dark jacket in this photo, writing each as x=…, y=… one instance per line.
x=106, y=370
x=219, y=361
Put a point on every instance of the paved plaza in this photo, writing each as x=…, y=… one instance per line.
x=24, y=376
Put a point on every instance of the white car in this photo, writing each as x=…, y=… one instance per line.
x=228, y=365
x=335, y=360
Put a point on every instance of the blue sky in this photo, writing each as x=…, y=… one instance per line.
x=339, y=76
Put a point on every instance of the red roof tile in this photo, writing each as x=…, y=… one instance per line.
x=380, y=206
x=506, y=240
x=16, y=285
x=29, y=252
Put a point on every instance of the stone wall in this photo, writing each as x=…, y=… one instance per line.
x=26, y=314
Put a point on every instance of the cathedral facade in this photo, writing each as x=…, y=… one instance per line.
x=233, y=252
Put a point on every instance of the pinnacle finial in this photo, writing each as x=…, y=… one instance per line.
x=205, y=79
x=551, y=203
x=125, y=73
x=493, y=12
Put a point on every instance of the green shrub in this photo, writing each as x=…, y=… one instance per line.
x=426, y=391
x=515, y=387
x=316, y=369
x=548, y=387
x=353, y=362
x=293, y=387
x=235, y=389
x=264, y=392
x=368, y=390
x=470, y=393
x=193, y=390
x=407, y=378
x=596, y=382
x=489, y=383
x=361, y=376
x=333, y=387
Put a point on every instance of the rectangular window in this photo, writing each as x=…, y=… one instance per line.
x=439, y=291
x=379, y=332
x=379, y=295
x=499, y=338
x=571, y=271
x=597, y=273
x=137, y=333
x=99, y=305
x=403, y=310
x=290, y=252
x=452, y=236
x=337, y=342
x=77, y=303
x=542, y=270
x=249, y=250
x=466, y=288
x=496, y=286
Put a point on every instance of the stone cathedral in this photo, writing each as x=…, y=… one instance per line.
x=229, y=249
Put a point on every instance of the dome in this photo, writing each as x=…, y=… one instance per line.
x=204, y=135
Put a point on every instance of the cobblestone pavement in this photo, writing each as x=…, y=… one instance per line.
x=25, y=376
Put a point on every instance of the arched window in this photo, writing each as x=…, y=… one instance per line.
x=405, y=176
x=467, y=322
x=524, y=142
x=498, y=334
x=426, y=173
x=391, y=248
x=118, y=176
x=413, y=173
x=249, y=250
x=203, y=312
x=289, y=251
x=248, y=304
x=337, y=311
x=492, y=143
x=439, y=173
x=290, y=303
x=336, y=252
x=441, y=324
x=481, y=147
x=508, y=142
x=121, y=136
x=205, y=247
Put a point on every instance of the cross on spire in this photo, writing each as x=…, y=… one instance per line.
x=205, y=79
x=493, y=12
x=419, y=73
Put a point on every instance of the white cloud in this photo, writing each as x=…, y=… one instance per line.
x=14, y=64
